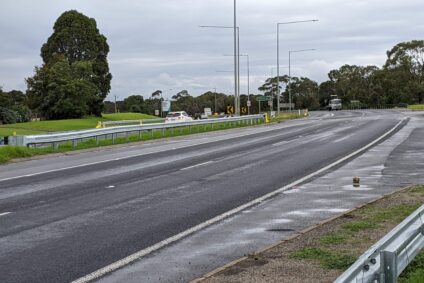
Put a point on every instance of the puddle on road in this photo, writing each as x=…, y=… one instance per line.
x=360, y=188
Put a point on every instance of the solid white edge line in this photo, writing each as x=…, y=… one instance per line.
x=135, y=155
x=5, y=213
x=125, y=261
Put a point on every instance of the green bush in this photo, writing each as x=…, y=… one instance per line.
x=8, y=116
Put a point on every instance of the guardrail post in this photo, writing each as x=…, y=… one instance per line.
x=126, y=136
x=113, y=138
x=97, y=140
x=74, y=144
x=388, y=267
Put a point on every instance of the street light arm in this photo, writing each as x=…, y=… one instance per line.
x=278, y=56
x=296, y=22
x=301, y=50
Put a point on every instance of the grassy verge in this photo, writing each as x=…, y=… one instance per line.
x=323, y=253
x=416, y=107
x=334, y=249
x=41, y=127
x=287, y=116
x=8, y=153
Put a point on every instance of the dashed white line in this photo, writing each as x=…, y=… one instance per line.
x=196, y=165
x=280, y=143
x=127, y=260
x=5, y=213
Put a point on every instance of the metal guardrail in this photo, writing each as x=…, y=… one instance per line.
x=130, y=122
x=113, y=132
x=386, y=259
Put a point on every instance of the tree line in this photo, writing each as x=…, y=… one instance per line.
x=74, y=80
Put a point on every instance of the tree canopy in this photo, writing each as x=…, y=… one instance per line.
x=74, y=78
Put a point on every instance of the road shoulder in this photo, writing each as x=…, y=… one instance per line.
x=322, y=252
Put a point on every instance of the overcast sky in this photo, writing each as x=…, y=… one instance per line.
x=157, y=44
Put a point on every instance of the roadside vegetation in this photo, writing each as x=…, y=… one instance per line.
x=416, y=107
x=41, y=127
x=323, y=253
x=288, y=116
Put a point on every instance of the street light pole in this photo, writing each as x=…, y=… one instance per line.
x=290, y=52
x=236, y=69
x=278, y=57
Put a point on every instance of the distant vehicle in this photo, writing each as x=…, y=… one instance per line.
x=335, y=104
x=198, y=116
x=179, y=116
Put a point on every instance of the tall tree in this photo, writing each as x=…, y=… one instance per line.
x=405, y=66
x=134, y=103
x=304, y=93
x=75, y=39
x=270, y=85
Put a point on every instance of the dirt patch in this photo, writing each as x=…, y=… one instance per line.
x=323, y=253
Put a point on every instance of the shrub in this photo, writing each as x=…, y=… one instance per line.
x=8, y=116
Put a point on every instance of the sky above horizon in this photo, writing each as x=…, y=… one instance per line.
x=159, y=44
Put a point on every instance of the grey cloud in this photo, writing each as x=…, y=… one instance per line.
x=158, y=44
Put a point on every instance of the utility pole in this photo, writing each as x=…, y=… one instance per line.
x=116, y=108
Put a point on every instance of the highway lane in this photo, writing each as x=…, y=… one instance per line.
x=65, y=224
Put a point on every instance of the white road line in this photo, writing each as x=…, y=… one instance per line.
x=141, y=154
x=5, y=213
x=280, y=143
x=196, y=165
x=127, y=260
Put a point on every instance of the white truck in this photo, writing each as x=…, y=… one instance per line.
x=335, y=104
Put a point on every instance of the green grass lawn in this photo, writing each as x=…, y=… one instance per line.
x=416, y=107
x=41, y=127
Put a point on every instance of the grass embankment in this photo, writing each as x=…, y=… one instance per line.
x=416, y=107
x=42, y=127
x=287, y=116
x=335, y=250
x=322, y=254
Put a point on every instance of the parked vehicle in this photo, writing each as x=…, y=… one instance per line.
x=179, y=116
x=335, y=104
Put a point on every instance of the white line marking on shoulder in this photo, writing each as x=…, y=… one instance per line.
x=5, y=213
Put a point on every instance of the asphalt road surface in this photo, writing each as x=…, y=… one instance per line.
x=66, y=216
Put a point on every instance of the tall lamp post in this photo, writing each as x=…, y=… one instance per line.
x=236, y=64
x=290, y=52
x=278, y=56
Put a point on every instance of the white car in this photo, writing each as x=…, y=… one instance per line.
x=179, y=116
